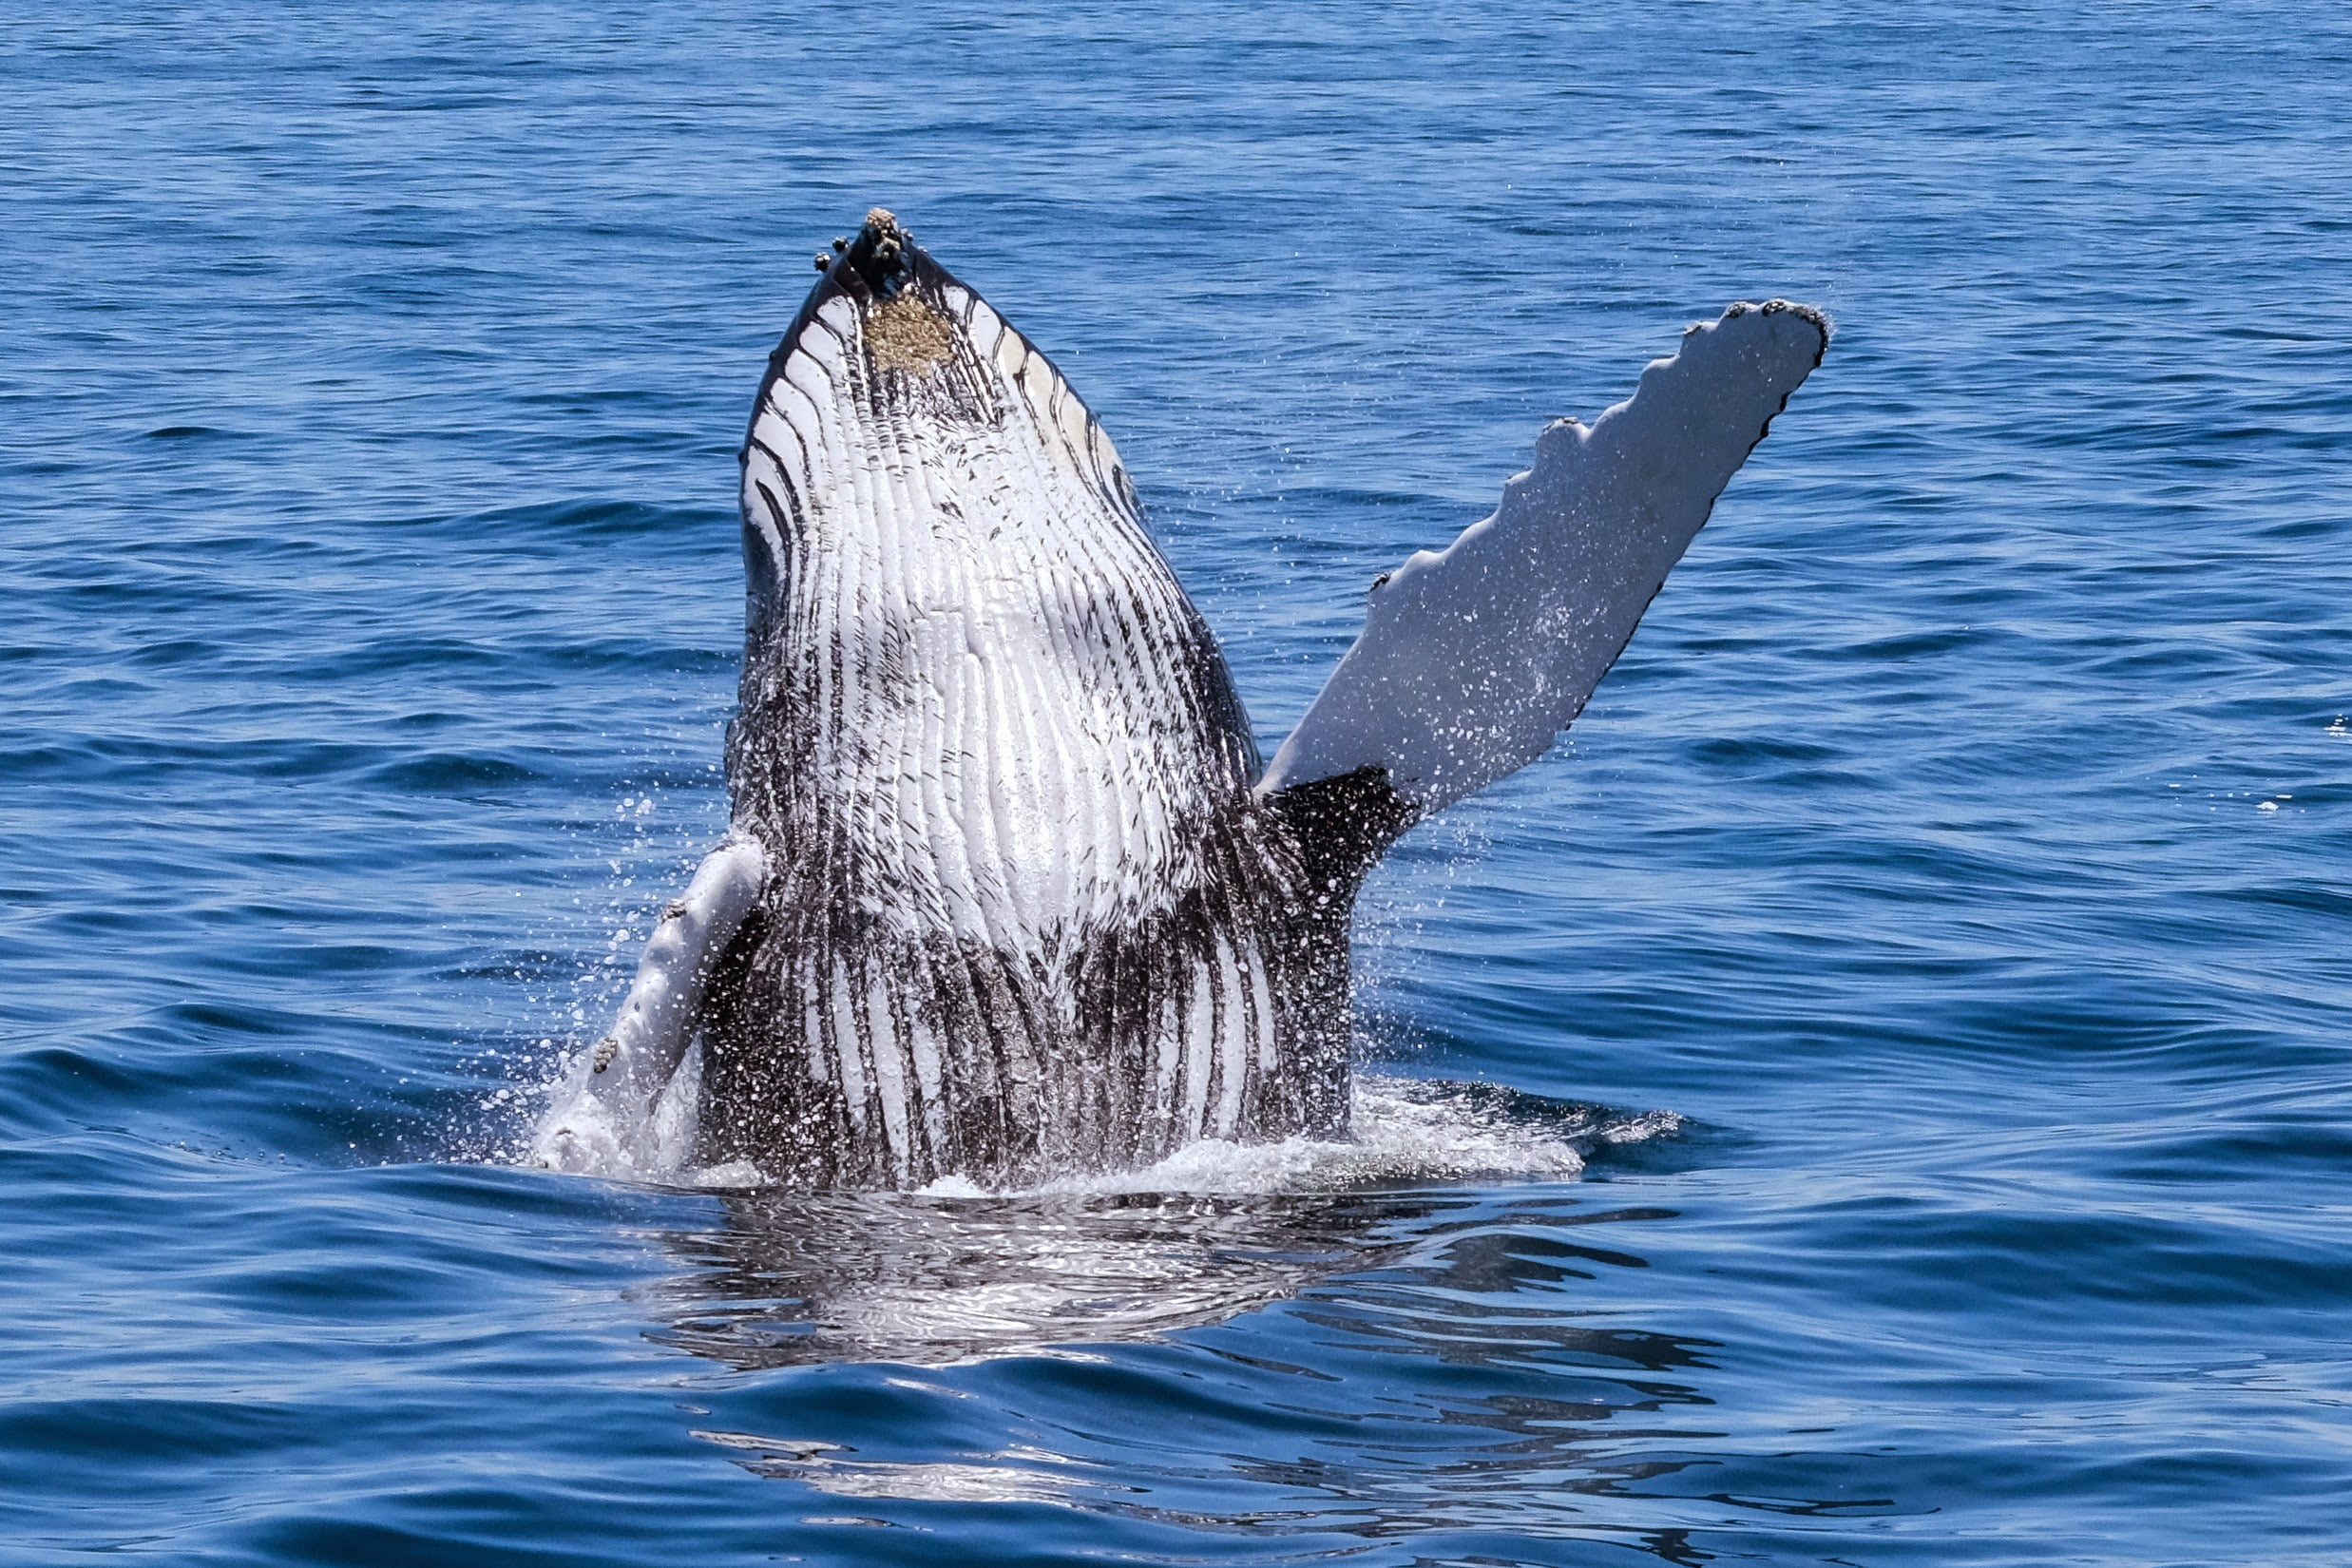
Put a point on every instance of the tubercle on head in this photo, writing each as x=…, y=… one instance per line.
x=873, y=267
x=877, y=262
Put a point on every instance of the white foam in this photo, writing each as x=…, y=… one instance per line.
x=1405, y=1131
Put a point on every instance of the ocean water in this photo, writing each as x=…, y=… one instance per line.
x=1877, y=1095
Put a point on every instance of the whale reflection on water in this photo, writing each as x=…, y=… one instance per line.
x=1297, y=1285
x=1365, y=1257
x=951, y=1275
x=1428, y=1294
x=938, y=1281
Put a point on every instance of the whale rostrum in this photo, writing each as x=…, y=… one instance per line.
x=1005, y=893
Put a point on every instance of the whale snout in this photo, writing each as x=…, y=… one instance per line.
x=889, y=332
x=876, y=265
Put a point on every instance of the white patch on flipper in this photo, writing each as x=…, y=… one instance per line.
x=1473, y=660
x=603, y=1119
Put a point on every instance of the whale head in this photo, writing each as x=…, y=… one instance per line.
x=968, y=677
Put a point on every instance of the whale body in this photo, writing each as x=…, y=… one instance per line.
x=1007, y=892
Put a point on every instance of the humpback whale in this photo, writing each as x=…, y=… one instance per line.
x=1007, y=892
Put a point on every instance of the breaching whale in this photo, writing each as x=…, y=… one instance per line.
x=1006, y=891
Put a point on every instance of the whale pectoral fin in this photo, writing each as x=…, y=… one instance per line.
x=1473, y=660
x=599, y=1119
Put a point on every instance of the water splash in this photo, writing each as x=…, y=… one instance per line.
x=1405, y=1131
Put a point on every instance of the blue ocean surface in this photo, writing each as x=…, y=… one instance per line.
x=1935, y=941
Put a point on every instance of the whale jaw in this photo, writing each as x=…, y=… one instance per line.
x=1024, y=914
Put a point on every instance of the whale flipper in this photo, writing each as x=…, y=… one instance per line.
x=1473, y=660
x=600, y=1114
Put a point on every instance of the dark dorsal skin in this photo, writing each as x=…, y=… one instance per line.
x=1024, y=913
